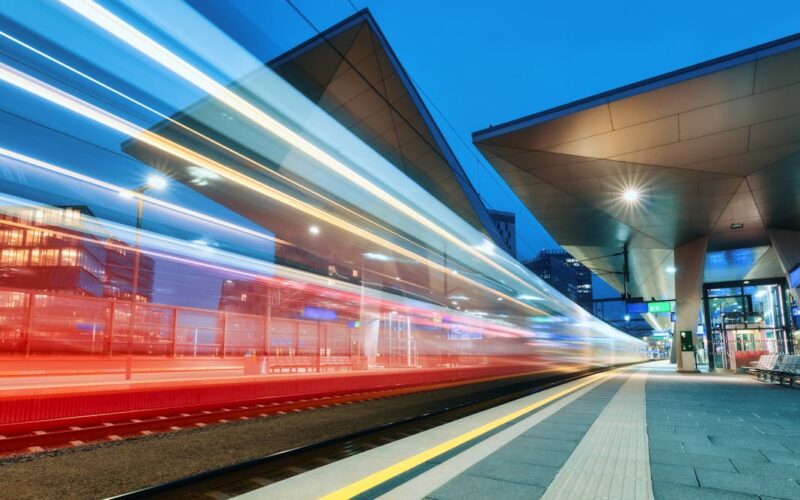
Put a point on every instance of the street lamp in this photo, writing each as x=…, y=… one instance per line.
x=156, y=182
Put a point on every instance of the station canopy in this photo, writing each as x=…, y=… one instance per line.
x=713, y=149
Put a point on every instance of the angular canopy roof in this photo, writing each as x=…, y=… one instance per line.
x=351, y=72
x=709, y=147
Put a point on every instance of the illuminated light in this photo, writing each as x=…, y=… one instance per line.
x=149, y=47
x=499, y=299
x=672, y=269
x=126, y=193
x=313, y=230
x=377, y=256
x=627, y=317
x=458, y=297
x=454, y=303
x=631, y=195
x=156, y=182
x=397, y=278
x=72, y=103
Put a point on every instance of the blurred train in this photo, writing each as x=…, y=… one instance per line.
x=294, y=258
x=69, y=346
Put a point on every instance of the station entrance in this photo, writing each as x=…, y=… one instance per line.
x=746, y=319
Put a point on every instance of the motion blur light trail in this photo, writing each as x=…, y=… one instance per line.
x=290, y=260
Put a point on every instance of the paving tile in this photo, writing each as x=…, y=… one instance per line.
x=662, y=444
x=754, y=484
x=517, y=472
x=692, y=460
x=673, y=474
x=557, y=428
x=720, y=451
x=546, y=433
x=788, y=471
x=782, y=457
x=516, y=453
x=547, y=443
x=750, y=442
x=467, y=486
x=674, y=491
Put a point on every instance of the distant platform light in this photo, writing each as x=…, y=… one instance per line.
x=313, y=230
x=631, y=195
x=672, y=269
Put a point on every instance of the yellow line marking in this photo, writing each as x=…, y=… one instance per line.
x=407, y=464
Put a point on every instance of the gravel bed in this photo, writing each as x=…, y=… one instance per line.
x=114, y=467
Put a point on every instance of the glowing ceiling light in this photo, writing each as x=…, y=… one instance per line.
x=313, y=230
x=631, y=195
x=156, y=182
x=672, y=269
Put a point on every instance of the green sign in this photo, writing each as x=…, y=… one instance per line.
x=658, y=307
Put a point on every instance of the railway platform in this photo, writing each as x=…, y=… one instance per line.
x=637, y=432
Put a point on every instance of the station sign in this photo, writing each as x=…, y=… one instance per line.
x=648, y=307
x=659, y=307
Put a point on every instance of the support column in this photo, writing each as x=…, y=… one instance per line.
x=690, y=260
x=787, y=248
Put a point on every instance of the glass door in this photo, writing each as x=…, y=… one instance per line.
x=746, y=322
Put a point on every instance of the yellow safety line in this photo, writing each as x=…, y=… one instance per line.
x=403, y=466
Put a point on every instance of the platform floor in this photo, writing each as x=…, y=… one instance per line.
x=640, y=432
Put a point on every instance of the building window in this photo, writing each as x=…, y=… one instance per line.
x=11, y=237
x=33, y=238
x=13, y=257
x=49, y=257
x=70, y=257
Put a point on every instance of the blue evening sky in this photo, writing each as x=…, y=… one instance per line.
x=486, y=62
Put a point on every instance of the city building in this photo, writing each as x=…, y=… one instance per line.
x=691, y=179
x=506, y=225
x=45, y=249
x=564, y=273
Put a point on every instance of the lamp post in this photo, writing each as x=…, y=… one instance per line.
x=153, y=182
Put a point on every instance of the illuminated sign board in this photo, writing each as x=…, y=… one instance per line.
x=659, y=307
x=648, y=307
x=636, y=307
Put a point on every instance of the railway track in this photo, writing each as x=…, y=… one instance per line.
x=228, y=482
x=74, y=433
